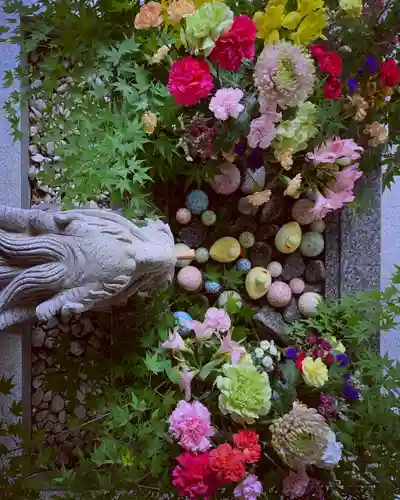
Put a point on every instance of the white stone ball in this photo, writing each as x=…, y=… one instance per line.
x=318, y=226
x=247, y=239
x=274, y=268
x=183, y=216
x=297, y=285
x=208, y=218
x=202, y=255
x=279, y=295
x=182, y=263
x=190, y=279
x=302, y=211
x=223, y=298
x=308, y=303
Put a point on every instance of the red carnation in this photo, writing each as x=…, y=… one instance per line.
x=247, y=442
x=236, y=44
x=318, y=51
x=299, y=361
x=331, y=63
x=332, y=88
x=190, y=80
x=193, y=477
x=390, y=73
x=227, y=463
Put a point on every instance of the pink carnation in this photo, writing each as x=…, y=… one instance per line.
x=263, y=130
x=225, y=103
x=342, y=151
x=217, y=319
x=190, y=425
x=190, y=80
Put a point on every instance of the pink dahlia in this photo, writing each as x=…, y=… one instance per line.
x=190, y=425
x=226, y=103
x=193, y=477
x=284, y=74
x=335, y=150
x=190, y=80
x=217, y=319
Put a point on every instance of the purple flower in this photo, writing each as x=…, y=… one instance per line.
x=372, y=65
x=290, y=353
x=352, y=84
x=325, y=344
x=240, y=148
x=350, y=392
x=249, y=489
x=327, y=407
x=255, y=160
x=342, y=360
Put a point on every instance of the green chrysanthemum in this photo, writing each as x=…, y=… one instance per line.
x=245, y=393
x=294, y=135
x=300, y=437
x=207, y=24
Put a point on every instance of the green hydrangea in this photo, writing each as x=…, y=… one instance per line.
x=294, y=135
x=245, y=392
x=205, y=25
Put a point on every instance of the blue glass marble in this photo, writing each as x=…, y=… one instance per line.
x=197, y=201
x=212, y=286
x=181, y=317
x=243, y=265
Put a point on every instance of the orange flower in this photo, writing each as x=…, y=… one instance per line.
x=149, y=16
x=178, y=9
x=247, y=442
x=227, y=463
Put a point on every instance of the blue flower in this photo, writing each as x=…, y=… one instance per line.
x=342, y=360
x=352, y=84
x=290, y=353
x=350, y=392
x=372, y=65
x=255, y=159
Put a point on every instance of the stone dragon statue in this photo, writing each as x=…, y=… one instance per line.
x=68, y=262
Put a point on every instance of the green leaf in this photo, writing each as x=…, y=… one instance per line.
x=6, y=385
x=119, y=416
x=154, y=364
x=233, y=278
x=16, y=408
x=209, y=367
x=290, y=373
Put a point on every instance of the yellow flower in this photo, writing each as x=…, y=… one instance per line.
x=311, y=28
x=352, y=7
x=269, y=22
x=307, y=6
x=293, y=187
x=179, y=9
x=149, y=16
x=315, y=372
x=258, y=199
x=337, y=346
x=161, y=54
x=149, y=120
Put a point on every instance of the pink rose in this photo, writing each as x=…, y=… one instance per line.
x=190, y=80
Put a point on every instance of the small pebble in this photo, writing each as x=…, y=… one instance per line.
x=227, y=181
x=302, y=211
x=197, y=201
x=202, y=255
x=190, y=279
x=274, y=268
x=246, y=208
x=318, y=226
x=57, y=403
x=243, y=265
x=76, y=348
x=297, y=285
x=38, y=158
x=247, y=239
x=212, y=287
x=183, y=216
x=312, y=244
x=182, y=263
x=308, y=303
x=33, y=149
x=208, y=218
x=279, y=294
x=315, y=271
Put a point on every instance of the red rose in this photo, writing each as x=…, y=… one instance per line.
x=318, y=51
x=190, y=80
x=236, y=44
x=332, y=88
x=331, y=63
x=299, y=361
x=390, y=73
x=227, y=463
x=247, y=442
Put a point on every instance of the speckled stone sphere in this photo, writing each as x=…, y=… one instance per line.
x=302, y=211
x=308, y=303
x=183, y=216
x=318, y=226
x=197, y=201
x=312, y=244
x=297, y=285
x=208, y=218
x=182, y=263
x=274, y=268
x=227, y=181
x=190, y=279
x=181, y=317
x=223, y=298
x=279, y=295
x=202, y=255
x=247, y=239
x=212, y=287
x=243, y=265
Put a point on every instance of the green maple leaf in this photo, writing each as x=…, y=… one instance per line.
x=6, y=385
x=233, y=278
x=212, y=273
x=154, y=363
